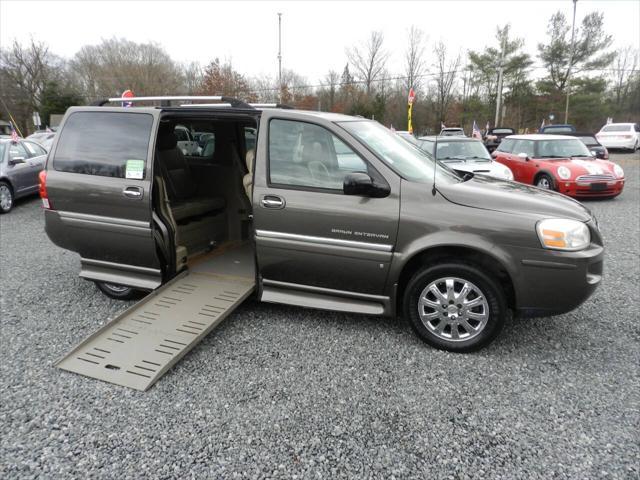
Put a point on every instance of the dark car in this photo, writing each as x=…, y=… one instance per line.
x=559, y=128
x=328, y=211
x=494, y=136
x=592, y=143
x=20, y=164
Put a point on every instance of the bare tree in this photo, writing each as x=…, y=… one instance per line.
x=25, y=71
x=369, y=60
x=446, y=72
x=117, y=64
x=332, y=80
x=414, y=59
x=193, y=77
x=625, y=67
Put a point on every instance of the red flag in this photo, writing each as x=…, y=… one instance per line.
x=14, y=134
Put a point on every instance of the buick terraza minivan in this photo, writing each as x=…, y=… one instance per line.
x=331, y=211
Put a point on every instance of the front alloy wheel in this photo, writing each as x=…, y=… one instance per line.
x=453, y=309
x=455, y=306
x=6, y=198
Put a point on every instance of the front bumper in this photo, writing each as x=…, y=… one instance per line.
x=607, y=189
x=553, y=282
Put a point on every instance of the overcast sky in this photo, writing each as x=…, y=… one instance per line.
x=314, y=34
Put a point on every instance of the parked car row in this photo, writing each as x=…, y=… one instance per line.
x=575, y=164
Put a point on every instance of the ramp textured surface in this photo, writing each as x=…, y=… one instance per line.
x=139, y=346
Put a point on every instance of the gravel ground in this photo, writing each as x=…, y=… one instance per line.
x=279, y=391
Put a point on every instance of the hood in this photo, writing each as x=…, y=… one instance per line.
x=491, y=168
x=490, y=193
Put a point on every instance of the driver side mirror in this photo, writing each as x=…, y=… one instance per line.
x=358, y=183
x=524, y=156
x=16, y=160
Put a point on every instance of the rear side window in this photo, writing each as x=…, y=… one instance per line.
x=617, y=128
x=34, y=149
x=103, y=143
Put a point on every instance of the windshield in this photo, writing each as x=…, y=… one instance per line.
x=616, y=128
x=461, y=151
x=401, y=156
x=562, y=148
x=558, y=129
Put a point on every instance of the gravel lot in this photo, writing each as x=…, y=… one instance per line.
x=281, y=392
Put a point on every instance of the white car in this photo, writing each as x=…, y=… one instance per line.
x=620, y=135
x=465, y=154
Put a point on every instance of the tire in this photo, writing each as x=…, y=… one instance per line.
x=6, y=197
x=473, y=331
x=119, y=292
x=545, y=181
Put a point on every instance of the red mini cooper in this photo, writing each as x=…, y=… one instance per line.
x=560, y=163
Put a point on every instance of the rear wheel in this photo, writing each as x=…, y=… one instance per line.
x=455, y=307
x=119, y=292
x=545, y=181
x=6, y=197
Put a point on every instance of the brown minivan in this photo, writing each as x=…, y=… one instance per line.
x=307, y=208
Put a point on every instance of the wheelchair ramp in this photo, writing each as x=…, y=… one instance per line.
x=136, y=348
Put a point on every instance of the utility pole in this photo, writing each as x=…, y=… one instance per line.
x=280, y=56
x=500, y=75
x=573, y=36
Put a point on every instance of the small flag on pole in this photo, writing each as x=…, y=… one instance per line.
x=442, y=125
x=486, y=129
x=14, y=134
x=609, y=120
x=542, y=125
x=475, y=131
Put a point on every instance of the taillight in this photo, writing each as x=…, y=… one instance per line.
x=42, y=176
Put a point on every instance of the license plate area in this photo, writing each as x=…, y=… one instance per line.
x=597, y=187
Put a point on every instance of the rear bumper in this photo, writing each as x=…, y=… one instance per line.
x=628, y=143
x=592, y=190
x=554, y=282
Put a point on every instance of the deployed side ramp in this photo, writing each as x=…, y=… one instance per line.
x=139, y=346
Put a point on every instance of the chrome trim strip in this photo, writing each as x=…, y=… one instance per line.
x=324, y=240
x=87, y=217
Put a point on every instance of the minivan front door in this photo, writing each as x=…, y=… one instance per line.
x=99, y=190
x=309, y=234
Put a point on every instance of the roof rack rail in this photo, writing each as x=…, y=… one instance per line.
x=166, y=100
x=253, y=105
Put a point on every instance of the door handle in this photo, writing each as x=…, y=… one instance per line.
x=272, y=201
x=133, y=192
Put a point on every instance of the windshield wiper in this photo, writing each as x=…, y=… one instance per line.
x=457, y=159
x=478, y=158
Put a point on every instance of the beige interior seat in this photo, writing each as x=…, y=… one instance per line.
x=247, y=180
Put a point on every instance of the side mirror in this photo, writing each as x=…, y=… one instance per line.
x=358, y=183
x=16, y=160
x=523, y=156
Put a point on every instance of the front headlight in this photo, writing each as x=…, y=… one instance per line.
x=564, y=173
x=617, y=169
x=508, y=174
x=563, y=234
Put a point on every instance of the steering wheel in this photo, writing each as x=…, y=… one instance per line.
x=318, y=170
